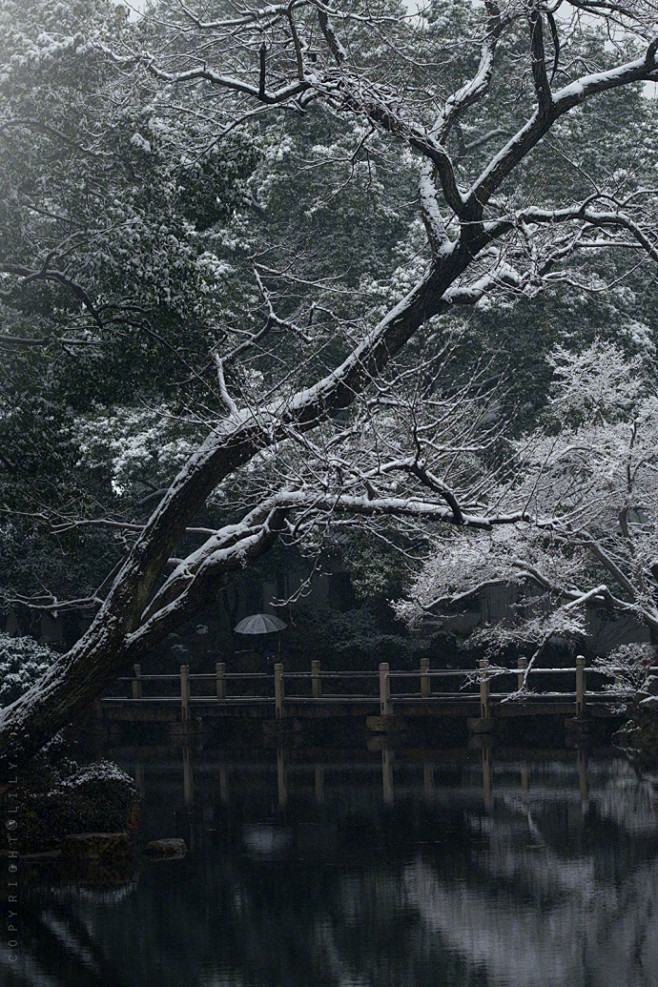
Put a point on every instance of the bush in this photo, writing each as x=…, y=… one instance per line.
x=95, y=798
x=22, y=662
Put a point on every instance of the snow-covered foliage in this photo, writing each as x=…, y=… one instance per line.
x=262, y=274
x=137, y=447
x=22, y=663
x=99, y=772
x=628, y=667
x=586, y=483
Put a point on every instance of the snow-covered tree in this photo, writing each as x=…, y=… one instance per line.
x=586, y=482
x=475, y=118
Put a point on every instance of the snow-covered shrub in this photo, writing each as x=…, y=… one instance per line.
x=22, y=662
x=628, y=666
x=96, y=798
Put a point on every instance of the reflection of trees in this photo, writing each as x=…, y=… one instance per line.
x=549, y=896
x=58, y=949
x=627, y=801
x=426, y=891
x=605, y=935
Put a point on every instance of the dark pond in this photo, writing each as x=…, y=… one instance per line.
x=373, y=870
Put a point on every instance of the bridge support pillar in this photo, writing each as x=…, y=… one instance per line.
x=577, y=730
x=387, y=724
x=282, y=731
x=480, y=724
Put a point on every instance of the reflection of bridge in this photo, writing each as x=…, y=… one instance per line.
x=481, y=790
x=367, y=884
x=385, y=698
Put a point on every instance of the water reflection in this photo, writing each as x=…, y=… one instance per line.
x=390, y=870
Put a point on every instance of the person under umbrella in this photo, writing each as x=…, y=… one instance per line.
x=261, y=624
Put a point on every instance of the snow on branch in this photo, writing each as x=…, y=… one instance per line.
x=587, y=479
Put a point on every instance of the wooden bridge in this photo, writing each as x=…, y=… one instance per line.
x=384, y=697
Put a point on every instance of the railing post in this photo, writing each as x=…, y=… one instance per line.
x=137, y=684
x=384, y=689
x=316, y=681
x=184, y=692
x=425, y=682
x=485, y=688
x=521, y=664
x=220, y=672
x=580, y=685
x=278, y=690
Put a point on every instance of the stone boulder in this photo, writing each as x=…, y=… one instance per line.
x=95, y=846
x=165, y=849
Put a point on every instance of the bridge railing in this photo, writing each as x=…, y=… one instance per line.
x=382, y=686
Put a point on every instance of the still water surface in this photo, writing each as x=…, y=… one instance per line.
x=385, y=871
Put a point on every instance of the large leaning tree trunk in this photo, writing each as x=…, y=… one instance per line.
x=132, y=621
x=476, y=244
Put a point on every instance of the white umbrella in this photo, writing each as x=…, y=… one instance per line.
x=260, y=623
